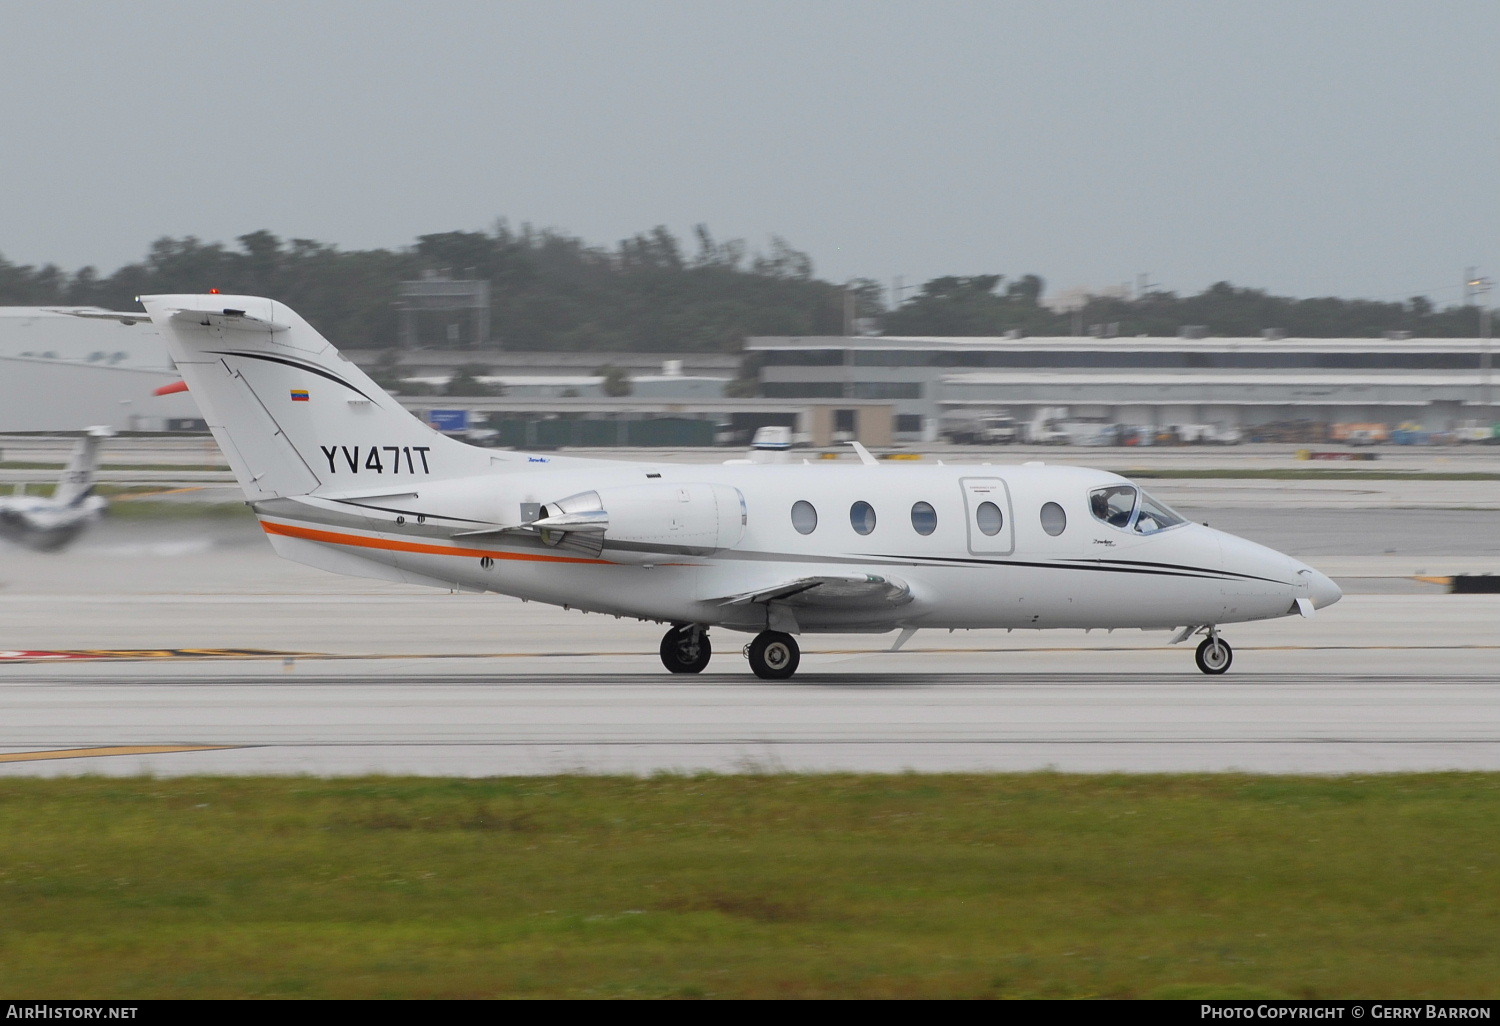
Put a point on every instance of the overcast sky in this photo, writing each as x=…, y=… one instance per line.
x=1310, y=147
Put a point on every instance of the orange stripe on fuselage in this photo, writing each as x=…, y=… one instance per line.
x=363, y=542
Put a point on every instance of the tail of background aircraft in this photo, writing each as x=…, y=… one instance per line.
x=77, y=481
x=290, y=413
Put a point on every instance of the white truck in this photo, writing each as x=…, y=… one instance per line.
x=1049, y=427
x=983, y=429
x=1207, y=434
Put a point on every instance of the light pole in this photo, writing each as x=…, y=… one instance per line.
x=1480, y=287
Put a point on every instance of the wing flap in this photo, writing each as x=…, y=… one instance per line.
x=827, y=590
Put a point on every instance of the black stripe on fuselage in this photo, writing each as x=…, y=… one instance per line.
x=1179, y=566
x=1119, y=566
x=299, y=365
x=413, y=513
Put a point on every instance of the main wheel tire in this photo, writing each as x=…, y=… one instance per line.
x=685, y=650
x=1214, y=655
x=774, y=655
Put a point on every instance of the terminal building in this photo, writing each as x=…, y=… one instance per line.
x=1241, y=383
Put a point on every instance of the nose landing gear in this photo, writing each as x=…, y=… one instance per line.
x=1214, y=654
x=685, y=648
x=773, y=655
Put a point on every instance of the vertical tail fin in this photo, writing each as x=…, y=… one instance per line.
x=291, y=414
x=77, y=481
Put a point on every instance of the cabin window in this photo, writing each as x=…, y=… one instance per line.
x=1054, y=520
x=989, y=519
x=923, y=518
x=804, y=517
x=862, y=516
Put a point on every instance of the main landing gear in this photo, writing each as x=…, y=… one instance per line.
x=685, y=648
x=773, y=655
x=1214, y=654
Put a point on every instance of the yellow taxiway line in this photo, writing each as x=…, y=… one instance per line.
x=88, y=753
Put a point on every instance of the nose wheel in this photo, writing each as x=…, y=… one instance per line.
x=773, y=655
x=1214, y=655
x=685, y=649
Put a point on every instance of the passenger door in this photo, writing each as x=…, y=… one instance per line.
x=987, y=513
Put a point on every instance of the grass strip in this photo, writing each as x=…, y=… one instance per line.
x=1040, y=885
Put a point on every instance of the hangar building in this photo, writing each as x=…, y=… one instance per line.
x=1233, y=382
x=62, y=372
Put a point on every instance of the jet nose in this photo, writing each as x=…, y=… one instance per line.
x=1321, y=590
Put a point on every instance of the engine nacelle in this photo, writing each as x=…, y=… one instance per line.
x=651, y=519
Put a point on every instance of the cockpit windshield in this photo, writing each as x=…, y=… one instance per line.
x=1130, y=509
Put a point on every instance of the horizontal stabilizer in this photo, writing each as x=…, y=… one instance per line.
x=584, y=520
x=126, y=317
x=592, y=521
x=828, y=589
x=227, y=318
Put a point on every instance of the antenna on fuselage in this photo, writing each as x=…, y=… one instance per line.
x=864, y=455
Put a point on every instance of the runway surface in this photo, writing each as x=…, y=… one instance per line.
x=310, y=721
x=368, y=677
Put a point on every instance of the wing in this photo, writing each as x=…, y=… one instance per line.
x=827, y=590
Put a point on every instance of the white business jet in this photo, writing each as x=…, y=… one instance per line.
x=49, y=523
x=344, y=479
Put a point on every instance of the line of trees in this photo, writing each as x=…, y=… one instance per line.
x=550, y=291
x=651, y=292
x=988, y=305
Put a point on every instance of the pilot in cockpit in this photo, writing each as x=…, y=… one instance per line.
x=1126, y=507
x=1099, y=506
x=1113, y=505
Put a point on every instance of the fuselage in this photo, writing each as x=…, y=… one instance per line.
x=44, y=524
x=971, y=546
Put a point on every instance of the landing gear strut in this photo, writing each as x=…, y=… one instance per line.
x=685, y=648
x=1214, y=654
x=773, y=655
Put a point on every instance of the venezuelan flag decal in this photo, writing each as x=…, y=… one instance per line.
x=299, y=395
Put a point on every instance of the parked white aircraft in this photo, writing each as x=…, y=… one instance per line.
x=49, y=523
x=344, y=479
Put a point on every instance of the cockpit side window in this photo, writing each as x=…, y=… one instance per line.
x=1129, y=508
x=1115, y=506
